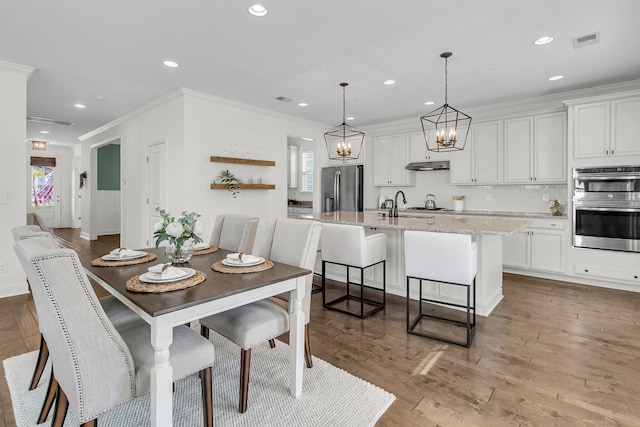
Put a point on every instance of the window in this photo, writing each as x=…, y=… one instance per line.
x=42, y=180
x=306, y=171
x=42, y=173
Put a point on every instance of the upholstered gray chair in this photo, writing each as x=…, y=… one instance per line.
x=119, y=314
x=348, y=246
x=452, y=260
x=294, y=242
x=234, y=232
x=95, y=365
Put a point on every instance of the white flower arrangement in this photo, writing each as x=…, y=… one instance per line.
x=177, y=230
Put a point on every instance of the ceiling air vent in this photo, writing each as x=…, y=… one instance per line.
x=589, y=39
x=284, y=99
x=48, y=121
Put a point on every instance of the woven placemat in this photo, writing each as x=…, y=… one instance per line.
x=209, y=250
x=99, y=262
x=220, y=267
x=135, y=285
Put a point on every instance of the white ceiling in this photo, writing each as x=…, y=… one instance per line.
x=302, y=50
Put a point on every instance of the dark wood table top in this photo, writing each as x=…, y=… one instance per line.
x=217, y=285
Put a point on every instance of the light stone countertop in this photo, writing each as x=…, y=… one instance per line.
x=543, y=215
x=423, y=221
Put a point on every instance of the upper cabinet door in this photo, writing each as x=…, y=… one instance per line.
x=487, y=142
x=550, y=148
x=462, y=170
x=518, y=147
x=381, y=146
x=625, y=130
x=592, y=130
x=419, y=152
x=398, y=159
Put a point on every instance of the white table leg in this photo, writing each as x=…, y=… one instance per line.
x=296, y=337
x=161, y=375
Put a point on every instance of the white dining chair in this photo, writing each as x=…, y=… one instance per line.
x=451, y=262
x=95, y=365
x=234, y=232
x=294, y=242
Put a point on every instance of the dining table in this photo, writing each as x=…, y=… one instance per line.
x=217, y=293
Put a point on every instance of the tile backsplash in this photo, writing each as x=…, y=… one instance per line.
x=506, y=198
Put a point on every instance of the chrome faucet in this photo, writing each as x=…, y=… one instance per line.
x=395, y=203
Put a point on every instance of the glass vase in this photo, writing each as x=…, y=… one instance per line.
x=179, y=254
x=557, y=211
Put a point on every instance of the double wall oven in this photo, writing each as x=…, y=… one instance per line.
x=606, y=208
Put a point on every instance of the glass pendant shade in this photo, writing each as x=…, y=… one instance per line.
x=445, y=128
x=344, y=142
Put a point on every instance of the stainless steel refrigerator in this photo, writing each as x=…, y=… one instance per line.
x=342, y=188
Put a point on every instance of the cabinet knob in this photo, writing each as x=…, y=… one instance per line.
x=586, y=270
x=635, y=276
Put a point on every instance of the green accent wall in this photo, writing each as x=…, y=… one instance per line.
x=109, y=167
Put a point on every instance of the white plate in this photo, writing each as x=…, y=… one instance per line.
x=153, y=277
x=109, y=257
x=237, y=263
x=201, y=246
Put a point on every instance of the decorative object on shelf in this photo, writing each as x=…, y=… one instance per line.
x=449, y=123
x=39, y=145
x=557, y=207
x=83, y=178
x=181, y=233
x=344, y=139
x=230, y=181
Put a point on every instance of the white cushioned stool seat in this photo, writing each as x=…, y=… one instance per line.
x=450, y=259
x=347, y=245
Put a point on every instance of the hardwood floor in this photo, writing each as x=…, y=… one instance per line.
x=551, y=354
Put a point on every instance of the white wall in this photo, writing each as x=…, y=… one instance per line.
x=196, y=126
x=13, y=134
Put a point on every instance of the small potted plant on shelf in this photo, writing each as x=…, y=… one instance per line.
x=230, y=181
x=557, y=207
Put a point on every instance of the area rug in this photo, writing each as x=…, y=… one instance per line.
x=330, y=396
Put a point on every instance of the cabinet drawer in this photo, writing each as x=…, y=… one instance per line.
x=618, y=274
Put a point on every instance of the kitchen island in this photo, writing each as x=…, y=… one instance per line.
x=488, y=233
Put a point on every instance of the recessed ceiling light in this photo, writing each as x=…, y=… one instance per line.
x=554, y=78
x=429, y=103
x=543, y=40
x=170, y=64
x=257, y=10
x=307, y=139
x=302, y=104
x=98, y=97
x=44, y=131
x=350, y=118
x=79, y=105
x=389, y=82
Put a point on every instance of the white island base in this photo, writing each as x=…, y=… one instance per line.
x=487, y=232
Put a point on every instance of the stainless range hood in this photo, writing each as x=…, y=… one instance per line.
x=428, y=166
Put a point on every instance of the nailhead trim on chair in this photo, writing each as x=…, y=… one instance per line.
x=68, y=341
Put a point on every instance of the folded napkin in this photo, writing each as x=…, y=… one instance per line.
x=166, y=271
x=242, y=258
x=200, y=246
x=125, y=253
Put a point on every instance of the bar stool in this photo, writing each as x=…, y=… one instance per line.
x=449, y=259
x=347, y=245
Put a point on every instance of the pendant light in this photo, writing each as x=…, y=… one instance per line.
x=38, y=145
x=344, y=142
x=451, y=125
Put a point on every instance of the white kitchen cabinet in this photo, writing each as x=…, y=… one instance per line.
x=419, y=152
x=481, y=161
x=540, y=247
x=607, y=128
x=535, y=149
x=390, y=156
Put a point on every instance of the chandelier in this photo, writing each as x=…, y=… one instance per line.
x=344, y=142
x=451, y=125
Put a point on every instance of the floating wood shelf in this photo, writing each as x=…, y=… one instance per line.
x=245, y=186
x=236, y=160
